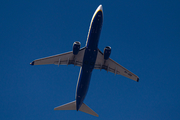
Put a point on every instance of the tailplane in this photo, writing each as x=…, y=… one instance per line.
x=67, y=106
x=88, y=110
x=72, y=106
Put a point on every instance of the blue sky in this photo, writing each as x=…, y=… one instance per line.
x=144, y=37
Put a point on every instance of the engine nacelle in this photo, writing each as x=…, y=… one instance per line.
x=107, y=52
x=76, y=47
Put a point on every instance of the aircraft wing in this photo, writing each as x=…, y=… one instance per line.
x=62, y=59
x=112, y=66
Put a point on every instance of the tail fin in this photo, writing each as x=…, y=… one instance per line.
x=72, y=106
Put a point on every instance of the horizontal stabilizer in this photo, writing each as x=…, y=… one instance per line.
x=68, y=106
x=72, y=106
x=88, y=110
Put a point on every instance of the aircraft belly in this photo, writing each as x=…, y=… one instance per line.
x=83, y=86
x=89, y=59
x=85, y=75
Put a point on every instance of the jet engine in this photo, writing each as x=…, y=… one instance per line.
x=107, y=52
x=76, y=47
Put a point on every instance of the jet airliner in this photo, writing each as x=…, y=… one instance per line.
x=87, y=58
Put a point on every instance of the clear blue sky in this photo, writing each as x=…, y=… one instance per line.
x=144, y=36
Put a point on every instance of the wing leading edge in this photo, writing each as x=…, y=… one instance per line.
x=112, y=66
x=62, y=59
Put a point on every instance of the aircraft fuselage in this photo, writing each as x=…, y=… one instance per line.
x=90, y=56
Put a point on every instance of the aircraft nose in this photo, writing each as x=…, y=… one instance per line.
x=100, y=7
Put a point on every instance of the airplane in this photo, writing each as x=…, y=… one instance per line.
x=87, y=58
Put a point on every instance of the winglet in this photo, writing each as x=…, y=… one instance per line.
x=32, y=63
x=137, y=79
